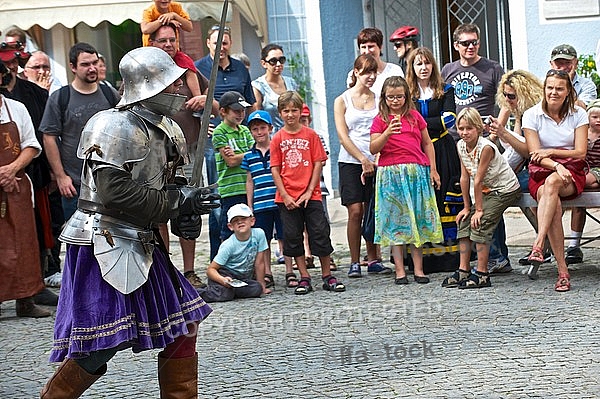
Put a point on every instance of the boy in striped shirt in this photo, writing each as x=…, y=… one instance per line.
x=260, y=189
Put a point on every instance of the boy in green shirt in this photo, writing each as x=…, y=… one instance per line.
x=231, y=141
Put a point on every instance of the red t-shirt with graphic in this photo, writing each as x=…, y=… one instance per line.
x=296, y=154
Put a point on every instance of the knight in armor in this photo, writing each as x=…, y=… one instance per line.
x=119, y=288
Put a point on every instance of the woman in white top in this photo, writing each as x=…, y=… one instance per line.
x=354, y=111
x=269, y=86
x=555, y=129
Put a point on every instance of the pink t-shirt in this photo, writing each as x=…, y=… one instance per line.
x=404, y=147
x=296, y=154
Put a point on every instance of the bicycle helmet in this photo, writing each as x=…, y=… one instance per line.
x=405, y=34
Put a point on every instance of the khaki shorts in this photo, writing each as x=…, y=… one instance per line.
x=596, y=173
x=494, y=205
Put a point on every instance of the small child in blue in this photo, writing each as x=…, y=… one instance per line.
x=241, y=257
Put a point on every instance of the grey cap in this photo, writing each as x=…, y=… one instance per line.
x=564, y=51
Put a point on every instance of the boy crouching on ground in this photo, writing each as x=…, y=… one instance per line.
x=495, y=188
x=296, y=163
x=238, y=270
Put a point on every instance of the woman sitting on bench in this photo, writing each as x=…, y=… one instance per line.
x=556, y=135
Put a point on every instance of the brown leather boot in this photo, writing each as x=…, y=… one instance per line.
x=178, y=378
x=27, y=308
x=69, y=381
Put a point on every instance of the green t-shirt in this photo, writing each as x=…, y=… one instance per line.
x=232, y=181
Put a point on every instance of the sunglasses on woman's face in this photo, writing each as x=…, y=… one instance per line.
x=273, y=61
x=510, y=96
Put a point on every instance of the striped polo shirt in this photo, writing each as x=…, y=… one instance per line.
x=259, y=166
x=232, y=180
x=593, y=153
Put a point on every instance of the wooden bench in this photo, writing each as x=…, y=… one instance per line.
x=587, y=199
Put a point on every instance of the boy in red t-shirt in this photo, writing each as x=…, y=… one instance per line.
x=296, y=163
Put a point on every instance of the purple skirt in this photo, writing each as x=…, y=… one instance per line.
x=92, y=315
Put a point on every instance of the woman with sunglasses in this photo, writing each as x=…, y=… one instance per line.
x=435, y=102
x=269, y=86
x=556, y=135
x=518, y=91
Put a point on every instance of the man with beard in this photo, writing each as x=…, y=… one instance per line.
x=67, y=111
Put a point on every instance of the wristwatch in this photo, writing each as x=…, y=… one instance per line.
x=555, y=165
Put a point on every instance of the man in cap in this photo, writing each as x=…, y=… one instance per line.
x=564, y=58
x=116, y=263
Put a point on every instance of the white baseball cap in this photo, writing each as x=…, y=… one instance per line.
x=238, y=210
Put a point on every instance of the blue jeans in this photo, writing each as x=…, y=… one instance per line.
x=214, y=218
x=227, y=203
x=69, y=205
x=498, y=249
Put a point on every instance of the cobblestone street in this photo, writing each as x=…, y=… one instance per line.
x=517, y=339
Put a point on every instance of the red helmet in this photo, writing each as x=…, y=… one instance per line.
x=405, y=33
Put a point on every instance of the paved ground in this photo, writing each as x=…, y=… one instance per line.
x=516, y=339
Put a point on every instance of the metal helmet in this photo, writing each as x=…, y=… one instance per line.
x=146, y=71
x=405, y=33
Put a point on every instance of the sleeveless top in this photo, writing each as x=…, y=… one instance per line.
x=270, y=98
x=359, y=129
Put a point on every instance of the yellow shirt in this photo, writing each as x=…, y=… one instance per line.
x=151, y=14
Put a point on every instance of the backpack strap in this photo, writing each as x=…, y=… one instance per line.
x=64, y=95
x=109, y=94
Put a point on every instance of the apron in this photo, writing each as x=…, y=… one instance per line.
x=19, y=252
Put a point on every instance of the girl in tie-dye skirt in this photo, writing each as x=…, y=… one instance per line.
x=405, y=206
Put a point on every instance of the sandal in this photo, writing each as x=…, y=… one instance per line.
x=269, y=282
x=455, y=279
x=332, y=265
x=536, y=257
x=303, y=287
x=291, y=281
x=563, y=284
x=330, y=283
x=476, y=280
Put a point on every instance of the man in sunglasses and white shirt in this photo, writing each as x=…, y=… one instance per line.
x=475, y=80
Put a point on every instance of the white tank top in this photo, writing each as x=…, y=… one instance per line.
x=359, y=129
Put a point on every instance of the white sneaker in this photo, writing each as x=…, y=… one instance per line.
x=53, y=280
